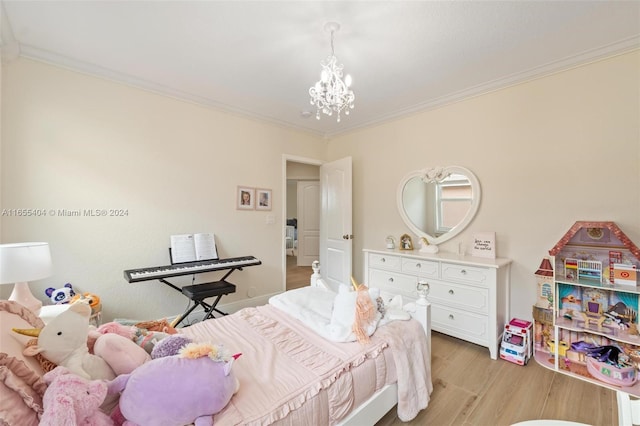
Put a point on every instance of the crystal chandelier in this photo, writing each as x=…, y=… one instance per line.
x=330, y=94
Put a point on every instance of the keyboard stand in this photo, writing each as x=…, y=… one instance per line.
x=199, y=292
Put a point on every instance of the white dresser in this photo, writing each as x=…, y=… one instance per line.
x=469, y=295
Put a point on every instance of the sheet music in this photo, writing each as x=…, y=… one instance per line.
x=205, y=245
x=192, y=247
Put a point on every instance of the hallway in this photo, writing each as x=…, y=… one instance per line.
x=297, y=276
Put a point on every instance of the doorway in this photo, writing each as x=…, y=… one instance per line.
x=301, y=240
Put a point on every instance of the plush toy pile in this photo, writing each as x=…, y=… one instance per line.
x=185, y=382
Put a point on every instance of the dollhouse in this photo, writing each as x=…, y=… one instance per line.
x=544, y=278
x=587, y=326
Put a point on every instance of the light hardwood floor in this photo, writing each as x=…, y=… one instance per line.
x=471, y=389
x=297, y=276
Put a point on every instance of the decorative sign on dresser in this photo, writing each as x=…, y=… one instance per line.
x=469, y=295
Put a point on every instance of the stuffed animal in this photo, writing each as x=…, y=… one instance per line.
x=170, y=346
x=110, y=327
x=60, y=296
x=64, y=342
x=147, y=340
x=73, y=400
x=122, y=354
x=93, y=299
x=177, y=390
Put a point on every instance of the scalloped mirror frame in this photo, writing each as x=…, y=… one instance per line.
x=434, y=173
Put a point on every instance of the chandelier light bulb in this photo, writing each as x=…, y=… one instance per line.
x=331, y=94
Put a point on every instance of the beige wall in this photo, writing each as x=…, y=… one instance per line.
x=71, y=141
x=547, y=153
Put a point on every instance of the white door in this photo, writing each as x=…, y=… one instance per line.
x=336, y=234
x=308, y=195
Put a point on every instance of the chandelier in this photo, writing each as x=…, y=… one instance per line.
x=331, y=94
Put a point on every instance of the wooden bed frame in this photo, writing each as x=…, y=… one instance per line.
x=379, y=404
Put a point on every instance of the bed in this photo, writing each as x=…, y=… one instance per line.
x=289, y=374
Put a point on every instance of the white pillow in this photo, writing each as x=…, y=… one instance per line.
x=311, y=305
x=344, y=314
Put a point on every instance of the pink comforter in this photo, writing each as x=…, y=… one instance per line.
x=290, y=375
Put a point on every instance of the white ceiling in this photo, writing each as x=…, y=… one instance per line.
x=259, y=58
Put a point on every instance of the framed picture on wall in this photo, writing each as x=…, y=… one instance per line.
x=246, y=198
x=263, y=197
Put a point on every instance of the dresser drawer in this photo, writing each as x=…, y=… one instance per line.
x=423, y=268
x=393, y=282
x=383, y=261
x=464, y=325
x=466, y=274
x=459, y=296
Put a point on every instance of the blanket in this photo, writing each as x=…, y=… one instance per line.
x=289, y=374
x=413, y=365
x=406, y=339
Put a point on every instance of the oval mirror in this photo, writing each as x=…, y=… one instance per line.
x=438, y=203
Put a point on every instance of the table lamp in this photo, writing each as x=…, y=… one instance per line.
x=21, y=263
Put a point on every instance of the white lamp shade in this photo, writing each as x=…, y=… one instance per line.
x=23, y=262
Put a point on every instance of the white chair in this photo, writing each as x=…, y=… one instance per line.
x=289, y=239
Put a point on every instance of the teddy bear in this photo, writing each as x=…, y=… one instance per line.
x=60, y=296
x=73, y=400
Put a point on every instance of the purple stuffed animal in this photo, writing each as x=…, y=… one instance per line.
x=176, y=390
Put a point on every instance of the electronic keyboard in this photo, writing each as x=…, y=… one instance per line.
x=175, y=270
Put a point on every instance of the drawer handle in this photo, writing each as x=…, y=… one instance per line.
x=463, y=272
x=390, y=280
x=451, y=316
x=418, y=265
x=383, y=260
x=451, y=292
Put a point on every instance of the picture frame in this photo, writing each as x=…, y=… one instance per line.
x=245, y=198
x=263, y=199
x=405, y=242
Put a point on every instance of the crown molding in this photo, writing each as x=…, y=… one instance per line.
x=561, y=65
